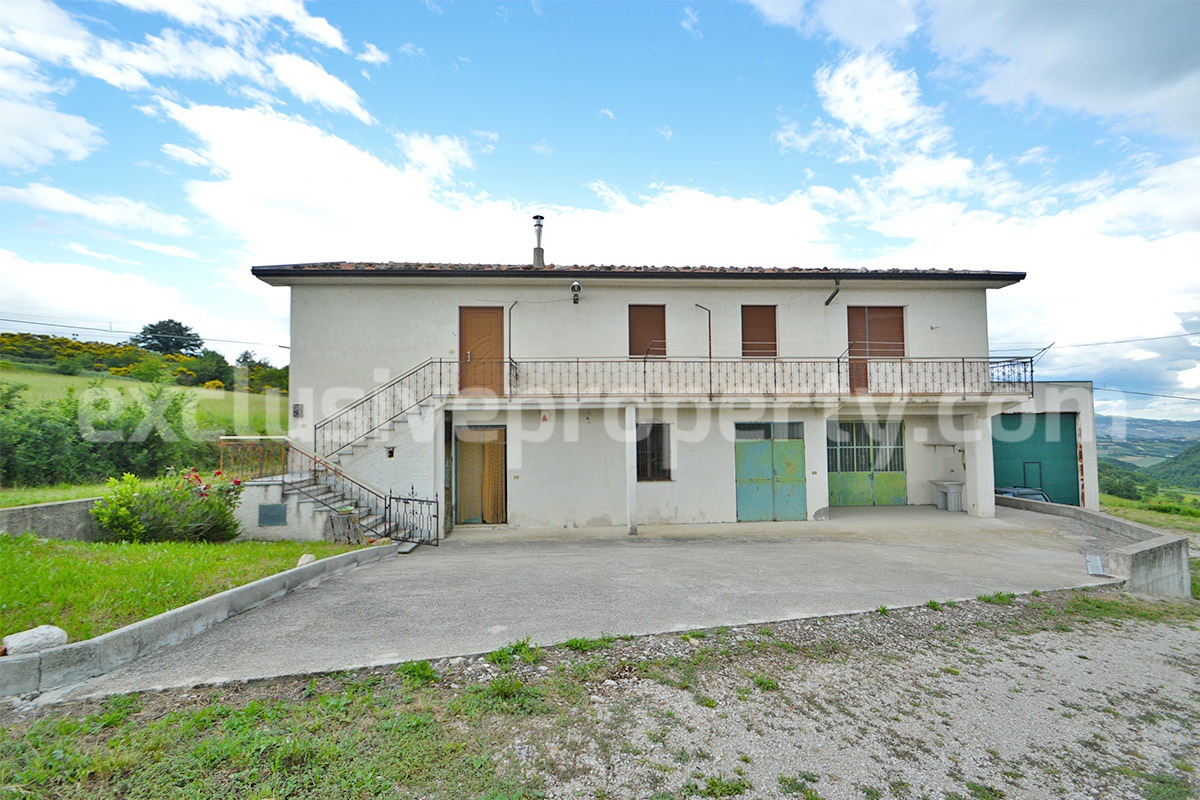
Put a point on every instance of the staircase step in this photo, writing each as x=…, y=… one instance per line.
x=406, y=548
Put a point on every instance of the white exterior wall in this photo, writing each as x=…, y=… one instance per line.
x=570, y=469
x=351, y=336
x=1072, y=397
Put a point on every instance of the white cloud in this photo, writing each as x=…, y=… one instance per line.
x=411, y=50
x=128, y=66
x=665, y=132
x=1190, y=378
x=174, y=251
x=862, y=24
x=117, y=212
x=1121, y=59
x=542, y=149
x=866, y=92
x=232, y=19
x=1035, y=155
x=691, y=22
x=921, y=175
x=32, y=135
x=435, y=156
x=789, y=13
x=607, y=113
x=373, y=55
x=332, y=209
x=310, y=82
x=76, y=247
x=184, y=155
x=485, y=141
x=867, y=24
x=19, y=76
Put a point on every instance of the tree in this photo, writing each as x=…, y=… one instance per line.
x=211, y=366
x=169, y=336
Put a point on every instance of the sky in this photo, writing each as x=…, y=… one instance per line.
x=151, y=151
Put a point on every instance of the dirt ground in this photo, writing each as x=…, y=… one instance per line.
x=1047, y=696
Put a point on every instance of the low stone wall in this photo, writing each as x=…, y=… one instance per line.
x=70, y=519
x=61, y=666
x=1153, y=563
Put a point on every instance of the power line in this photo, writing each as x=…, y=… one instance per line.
x=135, y=333
x=1144, y=394
x=1102, y=344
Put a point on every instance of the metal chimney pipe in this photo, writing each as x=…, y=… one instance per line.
x=539, y=255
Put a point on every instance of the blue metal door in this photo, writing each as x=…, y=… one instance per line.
x=770, y=474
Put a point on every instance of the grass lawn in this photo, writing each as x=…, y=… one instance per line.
x=90, y=588
x=28, y=495
x=242, y=413
x=1137, y=511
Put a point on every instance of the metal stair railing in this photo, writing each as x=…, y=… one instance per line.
x=378, y=407
x=276, y=458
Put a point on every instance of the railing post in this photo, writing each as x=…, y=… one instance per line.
x=964, y=375
x=578, y=381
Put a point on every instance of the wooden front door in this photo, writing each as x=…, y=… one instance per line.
x=481, y=350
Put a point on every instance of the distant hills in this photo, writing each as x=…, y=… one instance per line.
x=1135, y=428
x=1182, y=470
x=1138, y=442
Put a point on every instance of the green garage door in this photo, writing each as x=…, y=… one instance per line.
x=1037, y=451
x=866, y=464
x=769, y=465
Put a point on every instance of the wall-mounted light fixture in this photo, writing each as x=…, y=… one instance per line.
x=576, y=288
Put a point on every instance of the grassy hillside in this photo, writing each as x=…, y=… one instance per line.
x=1182, y=470
x=242, y=413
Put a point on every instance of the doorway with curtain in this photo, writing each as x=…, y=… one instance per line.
x=480, y=494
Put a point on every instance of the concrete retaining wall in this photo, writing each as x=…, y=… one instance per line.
x=1153, y=563
x=61, y=666
x=70, y=519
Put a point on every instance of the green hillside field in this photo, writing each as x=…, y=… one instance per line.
x=1181, y=470
x=240, y=413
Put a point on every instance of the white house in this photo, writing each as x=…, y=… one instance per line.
x=570, y=396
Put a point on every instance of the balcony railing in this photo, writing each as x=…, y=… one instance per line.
x=592, y=378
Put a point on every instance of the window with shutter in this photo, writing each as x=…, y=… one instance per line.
x=647, y=331
x=759, y=335
x=872, y=332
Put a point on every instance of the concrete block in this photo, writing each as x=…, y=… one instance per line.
x=69, y=664
x=1153, y=563
x=244, y=598
x=20, y=674
x=1158, y=566
x=119, y=647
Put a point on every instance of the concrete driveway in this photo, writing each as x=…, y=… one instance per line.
x=484, y=588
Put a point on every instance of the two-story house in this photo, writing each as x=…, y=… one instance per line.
x=572, y=396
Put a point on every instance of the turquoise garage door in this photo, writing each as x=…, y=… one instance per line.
x=866, y=464
x=1037, y=451
x=769, y=459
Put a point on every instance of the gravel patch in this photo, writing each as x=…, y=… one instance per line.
x=1025, y=697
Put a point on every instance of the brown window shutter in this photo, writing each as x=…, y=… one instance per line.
x=647, y=331
x=759, y=337
x=885, y=331
x=856, y=317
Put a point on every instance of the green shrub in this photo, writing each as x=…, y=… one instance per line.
x=73, y=365
x=179, y=508
x=89, y=437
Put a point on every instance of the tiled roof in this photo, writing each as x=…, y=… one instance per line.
x=337, y=268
